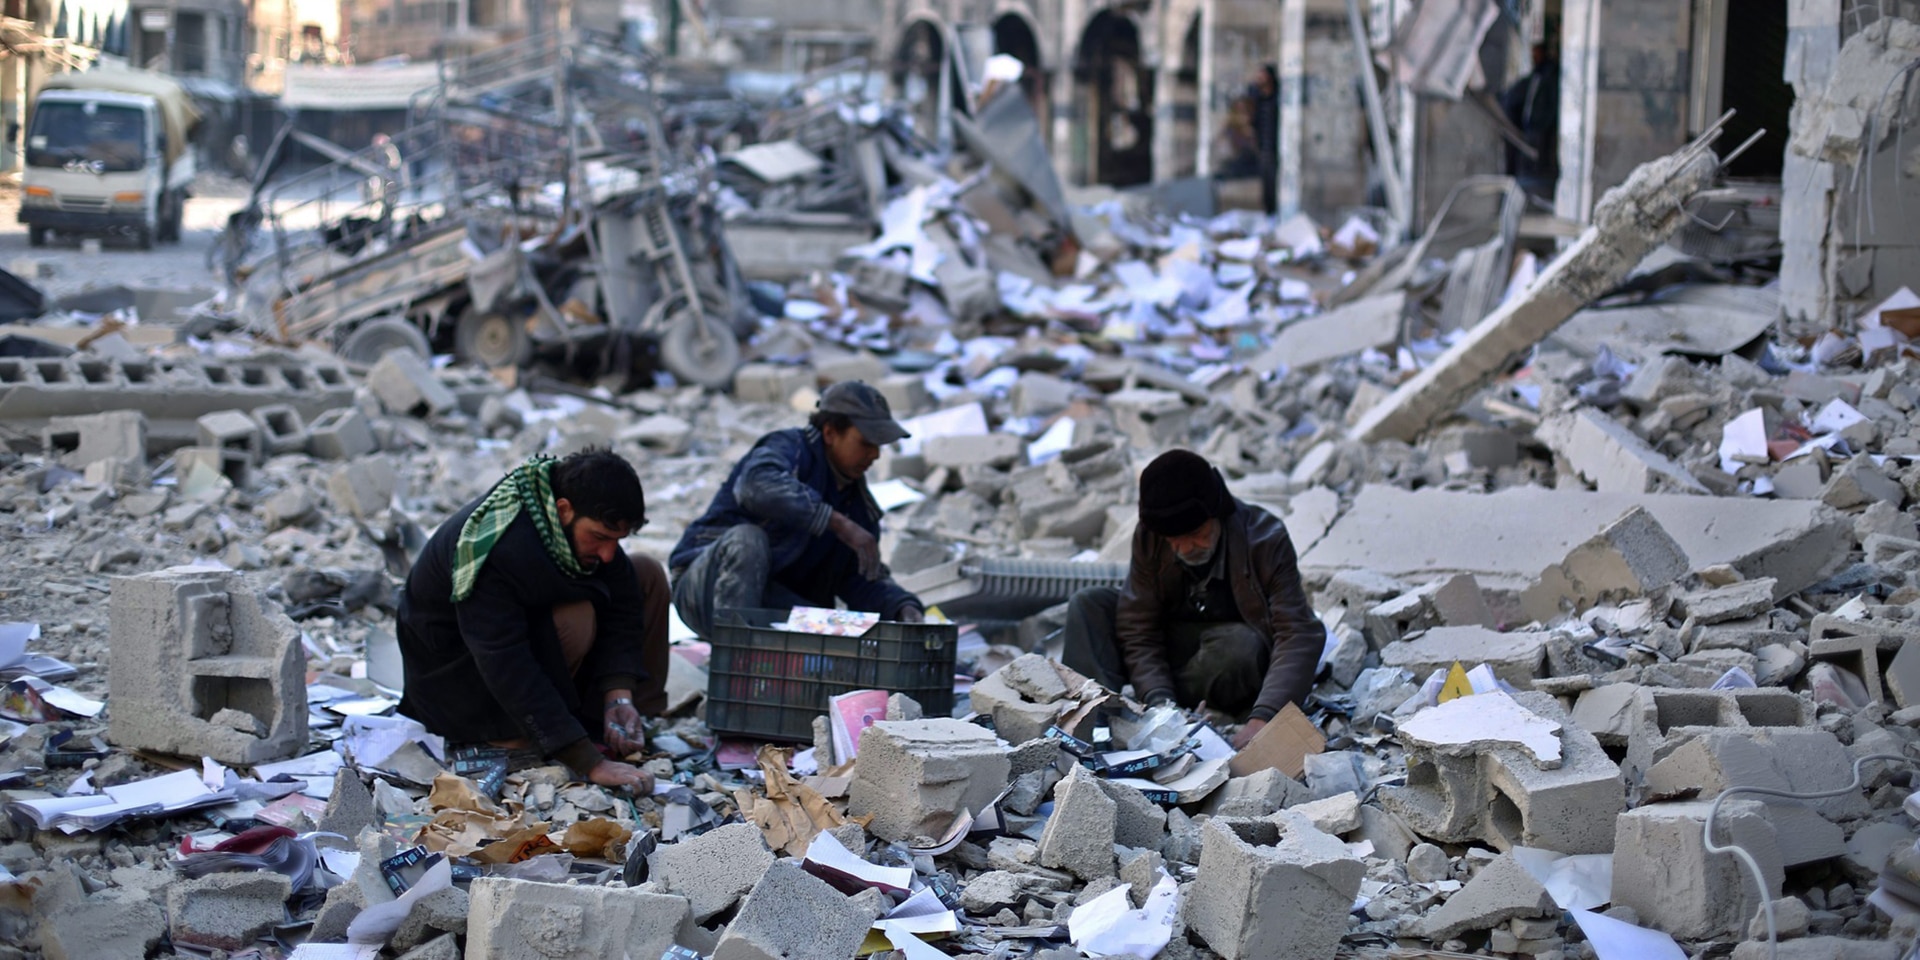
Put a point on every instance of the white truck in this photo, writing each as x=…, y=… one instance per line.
x=108, y=152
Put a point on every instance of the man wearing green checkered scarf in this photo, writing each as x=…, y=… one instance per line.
x=524, y=625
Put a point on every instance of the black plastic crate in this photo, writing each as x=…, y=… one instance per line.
x=771, y=683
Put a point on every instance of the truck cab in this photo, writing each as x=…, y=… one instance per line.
x=106, y=162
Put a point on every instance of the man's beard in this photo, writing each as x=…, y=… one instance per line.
x=1201, y=559
x=586, y=563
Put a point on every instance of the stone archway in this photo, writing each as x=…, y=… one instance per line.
x=1014, y=36
x=915, y=72
x=1114, y=90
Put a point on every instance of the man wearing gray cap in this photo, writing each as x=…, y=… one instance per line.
x=794, y=525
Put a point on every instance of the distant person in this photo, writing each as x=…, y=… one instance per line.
x=1235, y=145
x=1265, y=95
x=1213, y=609
x=1533, y=106
x=795, y=525
x=523, y=624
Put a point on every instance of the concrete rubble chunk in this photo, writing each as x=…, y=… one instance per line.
x=1257, y=794
x=1517, y=532
x=1839, y=117
x=793, y=915
x=1468, y=726
x=407, y=387
x=969, y=450
x=1819, y=948
x=1364, y=324
x=110, y=924
x=440, y=948
x=82, y=441
x=1630, y=220
x=1337, y=815
x=1271, y=890
x=363, y=488
x=1427, y=863
x=342, y=433
x=1748, y=598
x=713, y=870
x=1515, y=657
x=1607, y=712
x=189, y=643
x=1780, y=758
x=350, y=807
x=1138, y=822
x=1662, y=870
x=226, y=911
x=1080, y=834
x=1627, y=559
x=1790, y=919
x=1503, y=890
x=511, y=919
x=1664, y=719
x=1150, y=418
x=439, y=912
x=915, y=776
x=1608, y=455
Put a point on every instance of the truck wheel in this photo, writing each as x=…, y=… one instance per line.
x=170, y=220
x=36, y=236
x=703, y=356
x=375, y=338
x=493, y=340
x=143, y=237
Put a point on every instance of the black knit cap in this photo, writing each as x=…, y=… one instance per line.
x=1180, y=491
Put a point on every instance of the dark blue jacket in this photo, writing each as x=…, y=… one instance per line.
x=786, y=486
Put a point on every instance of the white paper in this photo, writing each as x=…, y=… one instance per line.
x=1836, y=416
x=336, y=951
x=1108, y=925
x=14, y=638
x=378, y=923
x=70, y=701
x=1619, y=940
x=1057, y=440
x=326, y=763
x=966, y=420
x=1743, y=440
x=893, y=494
x=830, y=854
x=1582, y=882
x=921, y=914
x=911, y=946
x=372, y=741
x=363, y=706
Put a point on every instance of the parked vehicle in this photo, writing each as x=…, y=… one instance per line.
x=108, y=152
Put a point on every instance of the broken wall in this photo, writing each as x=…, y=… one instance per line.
x=1625, y=70
x=1335, y=158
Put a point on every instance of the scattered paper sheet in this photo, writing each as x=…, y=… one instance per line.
x=1619, y=940
x=830, y=860
x=891, y=495
x=1581, y=882
x=849, y=715
x=336, y=951
x=378, y=923
x=829, y=623
x=1743, y=440
x=1109, y=926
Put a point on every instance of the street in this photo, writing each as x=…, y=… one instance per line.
x=66, y=268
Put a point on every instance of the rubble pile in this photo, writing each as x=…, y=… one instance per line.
x=1600, y=599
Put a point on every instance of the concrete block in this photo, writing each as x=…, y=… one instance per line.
x=440, y=912
x=1858, y=483
x=407, y=387
x=440, y=948
x=1738, y=601
x=350, y=807
x=713, y=870
x=1138, y=822
x=282, y=429
x=1611, y=457
x=1038, y=394
x=1627, y=559
x=1271, y=890
x=1079, y=836
x=794, y=915
x=1502, y=891
x=106, y=926
x=1258, y=794
x=343, y=433
x=232, y=430
x=1801, y=760
x=1819, y=948
x=189, y=644
x=84, y=440
x=770, y=383
x=510, y=919
x=1415, y=535
x=1903, y=675
x=1015, y=718
x=1349, y=329
x=234, y=464
x=906, y=393
x=1608, y=712
x=226, y=911
x=1151, y=419
x=364, y=487
x=916, y=775
x=1661, y=868
x=1000, y=450
x=1514, y=657
x=1337, y=815
x=841, y=368
x=1503, y=797
x=1663, y=718
x=1860, y=647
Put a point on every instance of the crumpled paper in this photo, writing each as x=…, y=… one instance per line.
x=598, y=838
x=466, y=824
x=792, y=813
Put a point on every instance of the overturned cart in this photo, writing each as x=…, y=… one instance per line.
x=533, y=215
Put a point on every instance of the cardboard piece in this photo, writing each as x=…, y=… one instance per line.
x=1283, y=744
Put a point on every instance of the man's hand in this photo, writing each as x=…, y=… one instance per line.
x=912, y=614
x=613, y=773
x=624, y=733
x=1247, y=733
x=857, y=539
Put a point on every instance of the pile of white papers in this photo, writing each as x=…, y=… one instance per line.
x=172, y=793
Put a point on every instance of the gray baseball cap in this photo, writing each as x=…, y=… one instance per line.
x=867, y=408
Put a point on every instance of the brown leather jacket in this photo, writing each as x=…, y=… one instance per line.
x=1265, y=576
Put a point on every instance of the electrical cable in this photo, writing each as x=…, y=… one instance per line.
x=1753, y=866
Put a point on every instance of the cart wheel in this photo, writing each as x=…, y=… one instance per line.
x=36, y=236
x=372, y=340
x=493, y=340
x=702, y=356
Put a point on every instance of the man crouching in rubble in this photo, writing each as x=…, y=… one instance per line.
x=524, y=625
x=794, y=525
x=1212, y=611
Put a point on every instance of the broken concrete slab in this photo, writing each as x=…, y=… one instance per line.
x=1267, y=889
x=1796, y=759
x=226, y=911
x=794, y=915
x=915, y=776
x=1257, y=794
x=1337, y=815
x=190, y=645
x=1516, y=533
x=407, y=387
x=1137, y=821
x=109, y=924
x=1662, y=719
x=1365, y=324
x=1662, y=870
x=1611, y=457
x=1608, y=712
x=1629, y=558
x=1000, y=450
x=343, y=433
x=1503, y=890
x=713, y=870
x=1468, y=726
x=525, y=918
x=364, y=487
x=1628, y=223
x=1738, y=601
x=82, y=441
x=1079, y=836
x=1515, y=657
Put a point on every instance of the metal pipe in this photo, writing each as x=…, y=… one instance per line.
x=1383, y=148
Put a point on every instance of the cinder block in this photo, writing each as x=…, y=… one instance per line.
x=769, y=383
x=1151, y=419
x=81, y=441
x=1800, y=760
x=915, y=776
x=1662, y=719
x=227, y=911
x=282, y=429
x=1864, y=648
x=407, y=387
x=1079, y=835
x=1272, y=889
x=713, y=870
x=999, y=450
x=1515, y=657
x=906, y=393
x=363, y=487
x=794, y=915
x=1137, y=821
x=510, y=919
x=342, y=433
x=232, y=431
x=200, y=666
x=233, y=464
x=1661, y=867
x=1629, y=558
x=1502, y=796
x=112, y=923
x=1015, y=718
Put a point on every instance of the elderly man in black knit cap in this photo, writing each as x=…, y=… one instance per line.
x=1212, y=611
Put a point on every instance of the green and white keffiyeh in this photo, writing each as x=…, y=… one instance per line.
x=527, y=487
